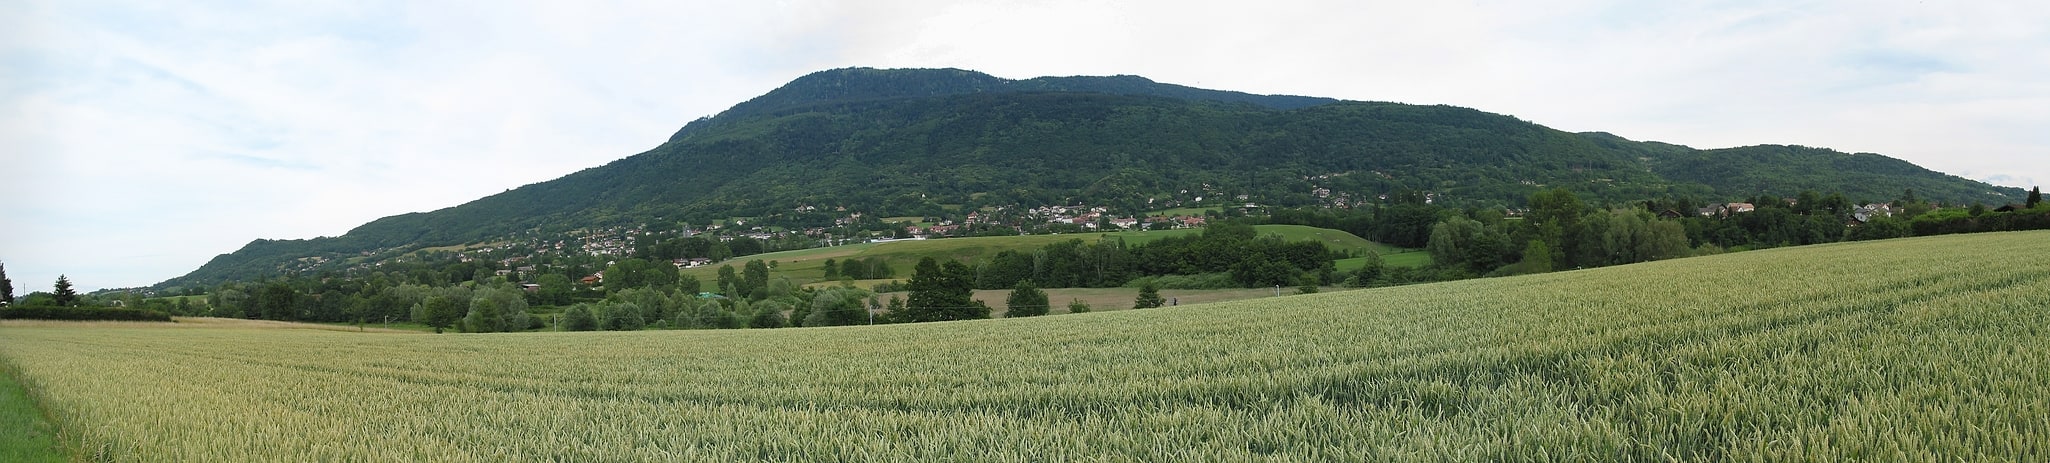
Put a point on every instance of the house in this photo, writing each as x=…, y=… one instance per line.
x=1665, y=214
x=1725, y=209
x=592, y=280
x=1866, y=213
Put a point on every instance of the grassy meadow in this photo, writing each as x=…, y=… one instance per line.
x=1923, y=349
x=25, y=436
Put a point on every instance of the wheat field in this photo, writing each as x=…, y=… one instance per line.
x=1925, y=349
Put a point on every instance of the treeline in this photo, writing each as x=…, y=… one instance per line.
x=1227, y=248
x=1558, y=231
x=64, y=303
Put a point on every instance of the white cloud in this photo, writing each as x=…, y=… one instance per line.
x=138, y=139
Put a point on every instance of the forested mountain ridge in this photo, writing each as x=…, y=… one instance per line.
x=888, y=143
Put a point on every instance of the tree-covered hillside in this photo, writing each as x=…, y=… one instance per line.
x=890, y=143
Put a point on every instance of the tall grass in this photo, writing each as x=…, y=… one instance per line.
x=1927, y=349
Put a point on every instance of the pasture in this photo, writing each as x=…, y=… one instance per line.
x=1923, y=349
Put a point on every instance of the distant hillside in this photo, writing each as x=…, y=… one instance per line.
x=912, y=142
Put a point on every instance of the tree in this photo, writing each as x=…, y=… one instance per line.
x=439, y=312
x=832, y=270
x=755, y=275
x=7, y=287
x=1554, y=217
x=579, y=318
x=1537, y=258
x=275, y=301
x=1026, y=301
x=629, y=274
x=486, y=316
x=1465, y=244
x=768, y=314
x=729, y=280
x=1149, y=297
x=1077, y=306
x=943, y=292
x=554, y=290
x=837, y=306
x=63, y=295
x=2035, y=197
x=624, y=316
x=1372, y=270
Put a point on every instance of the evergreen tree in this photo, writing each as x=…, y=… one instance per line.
x=7, y=287
x=2035, y=197
x=1149, y=297
x=1026, y=300
x=63, y=294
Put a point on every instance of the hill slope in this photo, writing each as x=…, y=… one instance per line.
x=1919, y=349
x=906, y=142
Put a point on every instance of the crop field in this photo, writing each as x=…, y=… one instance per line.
x=1925, y=349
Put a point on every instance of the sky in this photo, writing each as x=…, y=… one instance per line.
x=139, y=139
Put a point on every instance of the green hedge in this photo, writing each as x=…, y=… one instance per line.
x=83, y=313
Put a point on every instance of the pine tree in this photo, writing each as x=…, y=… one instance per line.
x=6, y=287
x=2035, y=197
x=63, y=293
x=1149, y=297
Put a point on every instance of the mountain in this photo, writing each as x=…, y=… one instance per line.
x=903, y=142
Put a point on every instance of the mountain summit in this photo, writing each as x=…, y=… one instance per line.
x=921, y=142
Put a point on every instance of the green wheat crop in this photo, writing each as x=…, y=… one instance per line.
x=1928, y=349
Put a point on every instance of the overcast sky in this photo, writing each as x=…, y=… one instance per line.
x=140, y=139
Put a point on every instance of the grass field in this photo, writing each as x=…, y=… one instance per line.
x=806, y=266
x=1924, y=349
x=25, y=437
